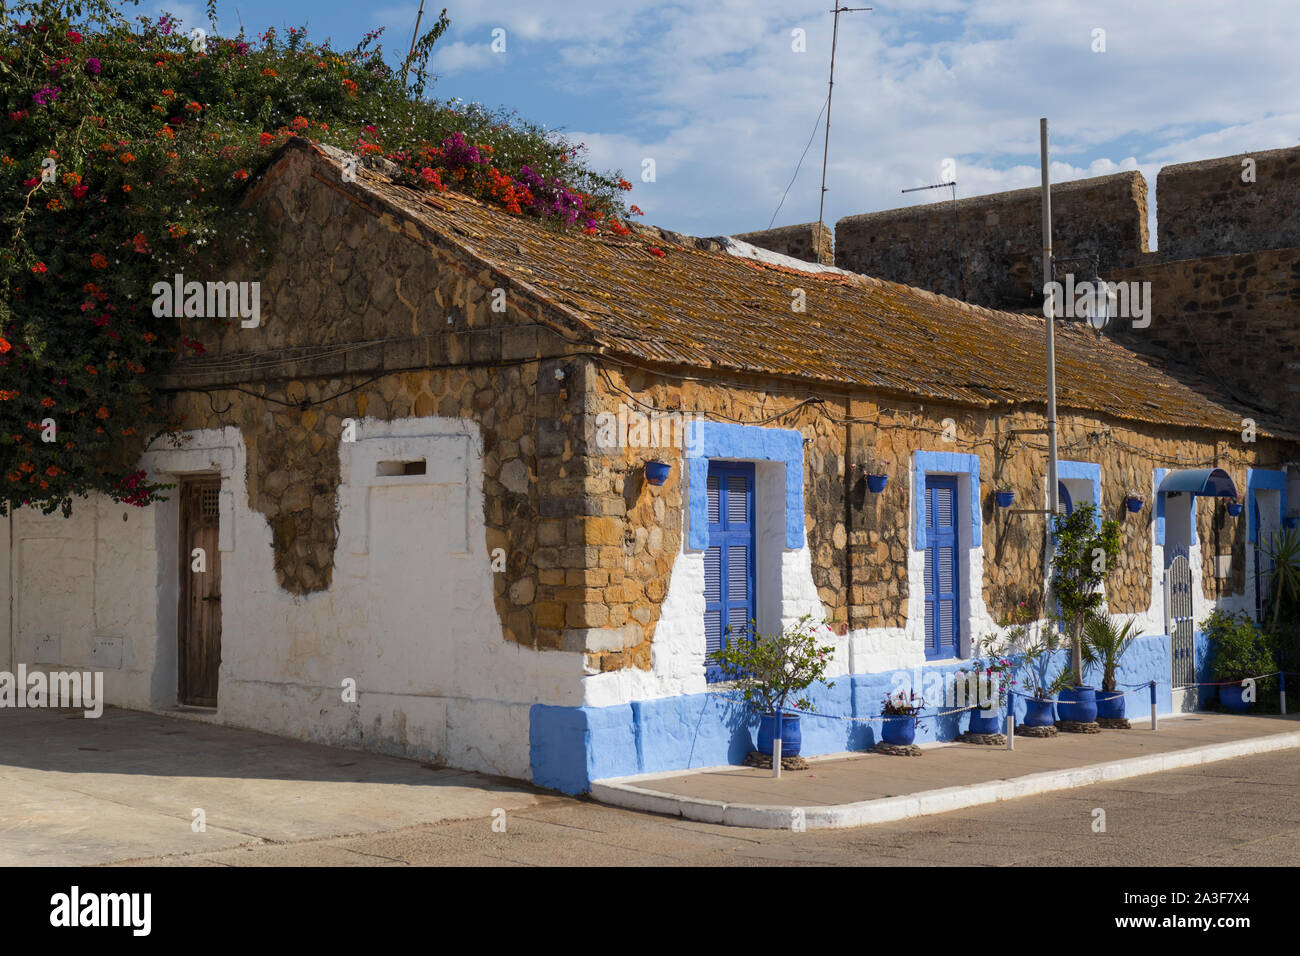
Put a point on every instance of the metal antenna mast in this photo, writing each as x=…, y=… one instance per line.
x=835, y=33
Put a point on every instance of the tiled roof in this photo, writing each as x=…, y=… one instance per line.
x=712, y=310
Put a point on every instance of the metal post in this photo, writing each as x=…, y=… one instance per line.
x=1049, y=313
x=1011, y=720
x=1153, y=705
x=776, y=746
x=1283, y=675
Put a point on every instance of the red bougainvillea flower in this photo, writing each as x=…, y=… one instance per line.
x=98, y=260
x=47, y=402
x=636, y=211
x=5, y=347
x=74, y=36
x=656, y=251
x=241, y=174
x=102, y=413
x=80, y=191
x=39, y=267
x=269, y=72
x=53, y=471
x=266, y=139
x=624, y=185
x=301, y=122
x=141, y=244
x=19, y=116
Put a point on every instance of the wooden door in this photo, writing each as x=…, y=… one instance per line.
x=199, y=618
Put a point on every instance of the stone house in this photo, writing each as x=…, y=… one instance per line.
x=420, y=485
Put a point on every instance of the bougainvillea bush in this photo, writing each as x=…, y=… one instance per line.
x=125, y=146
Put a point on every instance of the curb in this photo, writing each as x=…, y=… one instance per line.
x=626, y=793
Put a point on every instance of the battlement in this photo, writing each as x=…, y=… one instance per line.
x=987, y=249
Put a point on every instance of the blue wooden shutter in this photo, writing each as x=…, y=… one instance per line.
x=942, y=603
x=729, y=559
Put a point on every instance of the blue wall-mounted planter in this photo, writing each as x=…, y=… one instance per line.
x=876, y=483
x=1291, y=521
x=656, y=472
x=1134, y=505
x=1005, y=498
x=1234, y=510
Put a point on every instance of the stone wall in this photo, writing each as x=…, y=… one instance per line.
x=809, y=241
x=1207, y=208
x=859, y=543
x=1227, y=319
x=988, y=249
x=363, y=315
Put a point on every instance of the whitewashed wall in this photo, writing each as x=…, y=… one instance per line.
x=409, y=615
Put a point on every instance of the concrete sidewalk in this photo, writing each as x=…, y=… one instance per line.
x=75, y=791
x=857, y=789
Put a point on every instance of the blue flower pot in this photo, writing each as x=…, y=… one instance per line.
x=1082, y=706
x=1290, y=522
x=1005, y=498
x=1230, y=697
x=899, y=731
x=1038, y=713
x=1134, y=505
x=656, y=472
x=1234, y=510
x=1110, y=704
x=791, y=736
x=980, y=724
x=876, y=483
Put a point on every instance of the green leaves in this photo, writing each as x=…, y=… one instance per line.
x=1238, y=648
x=770, y=670
x=1104, y=644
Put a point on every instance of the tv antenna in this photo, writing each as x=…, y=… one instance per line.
x=953, y=185
x=835, y=33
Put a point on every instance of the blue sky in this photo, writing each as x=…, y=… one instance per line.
x=715, y=93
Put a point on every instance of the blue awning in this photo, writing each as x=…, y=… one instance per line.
x=1213, y=482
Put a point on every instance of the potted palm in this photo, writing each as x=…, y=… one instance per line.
x=900, y=710
x=1105, y=642
x=772, y=672
x=1085, y=552
x=1238, y=650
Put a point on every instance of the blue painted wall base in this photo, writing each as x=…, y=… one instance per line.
x=572, y=746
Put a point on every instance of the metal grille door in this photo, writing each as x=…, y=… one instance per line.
x=1179, y=622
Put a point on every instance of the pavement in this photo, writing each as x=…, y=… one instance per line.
x=121, y=790
x=865, y=788
x=76, y=791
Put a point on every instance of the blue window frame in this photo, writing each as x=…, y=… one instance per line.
x=728, y=559
x=942, y=634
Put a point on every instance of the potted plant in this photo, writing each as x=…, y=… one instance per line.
x=1005, y=497
x=1282, y=610
x=772, y=672
x=1133, y=499
x=874, y=470
x=1238, y=650
x=1105, y=643
x=1028, y=649
x=1083, y=556
x=988, y=684
x=900, y=710
x=1234, y=507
